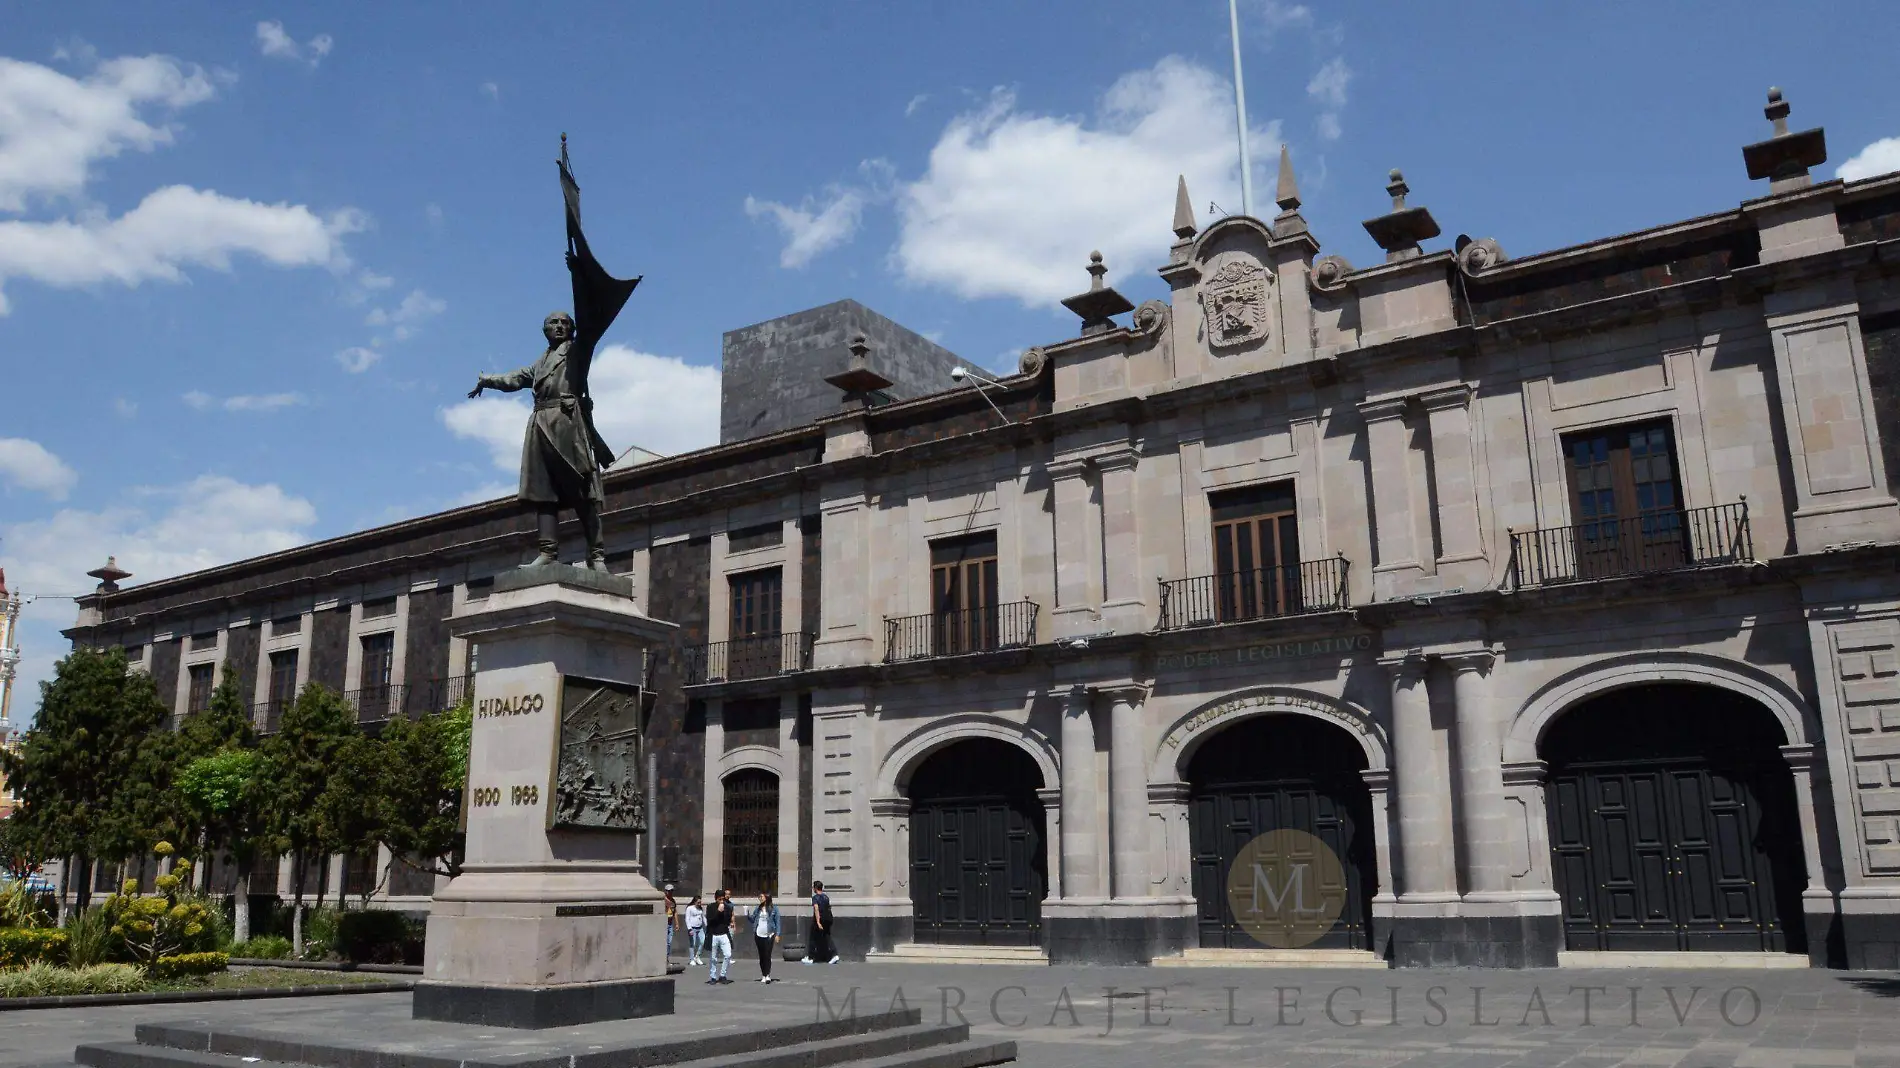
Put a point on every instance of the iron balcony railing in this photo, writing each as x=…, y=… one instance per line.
x=379, y=704
x=969, y=630
x=1262, y=593
x=1638, y=545
x=755, y=657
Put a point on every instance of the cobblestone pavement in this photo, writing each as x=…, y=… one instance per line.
x=1188, y=1018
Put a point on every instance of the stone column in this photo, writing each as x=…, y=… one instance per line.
x=1461, y=559
x=1424, y=841
x=712, y=861
x=1379, y=785
x=1800, y=760
x=789, y=801
x=1480, y=776
x=1078, y=550
x=1081, y=840
x=1128, y=792
x=1387, y=446
x=1051, y=799
x=1124, y=610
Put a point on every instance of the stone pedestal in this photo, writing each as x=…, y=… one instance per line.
x=552, y=921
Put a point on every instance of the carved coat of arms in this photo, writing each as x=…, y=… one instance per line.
x=598, y=778
x=1234, y=302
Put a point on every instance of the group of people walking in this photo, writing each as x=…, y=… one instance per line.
x=710, y=931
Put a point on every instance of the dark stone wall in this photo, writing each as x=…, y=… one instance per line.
x=965, y=413
x=679, y=576
x=1880, y=335
x=750, y=721
x=1876, y=219
x=240, y=656
x=165, y=670
x=427, y=654
x=1630, y=272
x=329, y=647
x=811, y=574
x=772, y=374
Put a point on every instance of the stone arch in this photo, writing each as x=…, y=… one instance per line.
x=1639, y=669
x=1190, y=729
x=893, y=774
x=764, y=758
x=1229, y=226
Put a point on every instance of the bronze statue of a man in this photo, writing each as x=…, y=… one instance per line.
x=561, y=455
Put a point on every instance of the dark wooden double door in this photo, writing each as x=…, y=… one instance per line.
x=978, y=859
x=1281, y=772
x=1673, y=825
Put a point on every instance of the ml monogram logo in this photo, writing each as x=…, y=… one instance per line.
x=1286, y=888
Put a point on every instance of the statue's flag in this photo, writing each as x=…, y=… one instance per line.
x=598, y=298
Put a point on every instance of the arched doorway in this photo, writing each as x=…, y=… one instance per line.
x=751, y=840
x=1272, y=773
x=978, y=865
x=1673, y=823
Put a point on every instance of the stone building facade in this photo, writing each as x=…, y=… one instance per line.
x=1552, y=602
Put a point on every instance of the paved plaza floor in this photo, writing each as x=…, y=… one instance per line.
x=1191, y=1018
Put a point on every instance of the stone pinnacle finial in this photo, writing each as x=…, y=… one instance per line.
x=1100, y=303
x=1399, y=231
x=1097, y=269
x=1287, y=194
x=1777, y=111
x=1397, y=189
x=1184, y=227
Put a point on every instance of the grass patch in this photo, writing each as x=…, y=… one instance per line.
x=270, y=979
x=45, y=980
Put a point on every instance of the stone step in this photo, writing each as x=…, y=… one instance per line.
x=1580, y=958
x=229, y=1043
x=922, y=953
x=912, y=1046
x=1272, y=958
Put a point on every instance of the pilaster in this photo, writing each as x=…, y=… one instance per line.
x=1078, y=550
x=1124, y=606
x=1128, y=790
x=1081, y=834
x=1400, y=564
x=846, y=636
x=1461, y=561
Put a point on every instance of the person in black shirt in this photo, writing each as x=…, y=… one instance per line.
x=818, y=947
x=719, y=937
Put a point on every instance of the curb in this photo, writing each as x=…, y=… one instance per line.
x=325, y=966
x=161, y=997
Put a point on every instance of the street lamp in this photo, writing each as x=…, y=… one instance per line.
x=976, y=380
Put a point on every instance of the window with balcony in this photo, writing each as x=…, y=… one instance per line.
x=198, y=685
x=1627, y=513
x=755, y=602
x=283, y=686
x=963, y=593
x=1256, y=551
x=379, y=666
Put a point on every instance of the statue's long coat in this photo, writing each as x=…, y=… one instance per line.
x=558, y=458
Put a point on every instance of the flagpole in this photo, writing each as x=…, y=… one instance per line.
x=1240, y=112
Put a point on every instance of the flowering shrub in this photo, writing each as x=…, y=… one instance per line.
x=161, y=926
x=185, y=965
x=21, y=946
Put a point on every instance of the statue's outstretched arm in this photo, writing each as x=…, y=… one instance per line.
x=507, y=383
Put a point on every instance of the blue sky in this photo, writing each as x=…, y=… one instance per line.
x=252, y=256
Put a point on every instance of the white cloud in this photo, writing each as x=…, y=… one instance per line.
x=433, y=212
x=264, y=402
x=53, y=127
x=1272, y=16
x=172, y=228
x=370, y=280
x=660, y=403
x=915, y=103
x=415, y=308
x=28, y=465
x=356, y=359
x=1013, y=201
x=155, y=532
x=1878, y=158
x=491, y=90
x=273, y=41
x=820, y=224
x=1328, y=90
x=126, y=408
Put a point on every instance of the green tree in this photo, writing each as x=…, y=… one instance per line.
x=300, y=759
x=224, y=792
x=419, y=800
x=91, y=772
x=224, y=724
x=20, y=853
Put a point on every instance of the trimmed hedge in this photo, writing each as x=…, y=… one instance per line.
x=21, y=946
x=185, y=965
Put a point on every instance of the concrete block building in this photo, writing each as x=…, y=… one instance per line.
x=1552, y=600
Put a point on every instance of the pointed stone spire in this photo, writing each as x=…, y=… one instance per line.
x=1184, y=227
x=1785, y=157
x=1288, y=193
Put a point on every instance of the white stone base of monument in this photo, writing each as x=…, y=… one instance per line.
x=552, y=921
